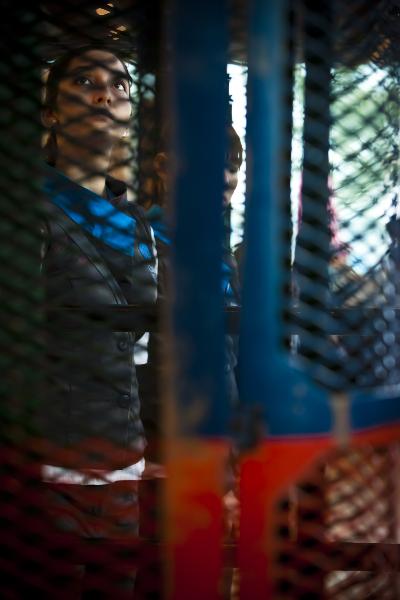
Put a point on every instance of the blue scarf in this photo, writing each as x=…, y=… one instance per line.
x=96, y=215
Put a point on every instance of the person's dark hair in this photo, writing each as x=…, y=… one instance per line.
x=56, y=72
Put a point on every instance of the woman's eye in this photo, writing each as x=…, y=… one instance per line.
x=120, y=85
x=83, y=81
x=231, y=168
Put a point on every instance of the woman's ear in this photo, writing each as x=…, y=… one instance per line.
x=160, y=164
x=49, y=118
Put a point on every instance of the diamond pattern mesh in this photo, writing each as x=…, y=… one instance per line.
x=334, y=527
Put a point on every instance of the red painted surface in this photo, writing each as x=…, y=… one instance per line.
x=194, y=519
x=377, y=435
x=264, y=475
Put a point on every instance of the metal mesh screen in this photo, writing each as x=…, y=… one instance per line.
x=334, y=534
x=75, y=255
x=348, y=145
x=85, y=251
x=348, y=497
x=85, y=167
x=335, y=530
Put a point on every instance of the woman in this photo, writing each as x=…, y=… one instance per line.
x=98, y=251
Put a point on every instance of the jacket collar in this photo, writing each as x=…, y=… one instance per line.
x=98, y=216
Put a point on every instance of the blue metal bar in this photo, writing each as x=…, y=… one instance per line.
x=259, y=330
x=268, y=380
x=198, y=36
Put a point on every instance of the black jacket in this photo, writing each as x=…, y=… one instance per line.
x=96, y=253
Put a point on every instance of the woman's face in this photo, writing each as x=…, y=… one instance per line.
x=231, y=174
x=93, y=101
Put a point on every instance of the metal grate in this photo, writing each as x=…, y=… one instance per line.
x=333, y=526
x=58, y=342
x=317, y=115
x=349, y=194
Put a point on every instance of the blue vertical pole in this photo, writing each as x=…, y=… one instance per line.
x=263, y=282
x=269, y=380
x=197, y=40
x=199, y=104
x=263, y=269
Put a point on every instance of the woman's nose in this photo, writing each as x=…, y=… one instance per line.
x=102, y=96
x=227, y=178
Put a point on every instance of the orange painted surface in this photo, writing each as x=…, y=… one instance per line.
x=194, y=519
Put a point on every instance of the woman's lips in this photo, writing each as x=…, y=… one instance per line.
x=101, y=117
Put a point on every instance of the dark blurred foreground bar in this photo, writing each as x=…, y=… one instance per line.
x=361, y=321
x=123, y=318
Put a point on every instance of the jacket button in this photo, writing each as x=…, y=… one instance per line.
x=124, y=400
x=122, y=345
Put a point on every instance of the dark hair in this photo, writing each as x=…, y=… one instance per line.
x=56, y=72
